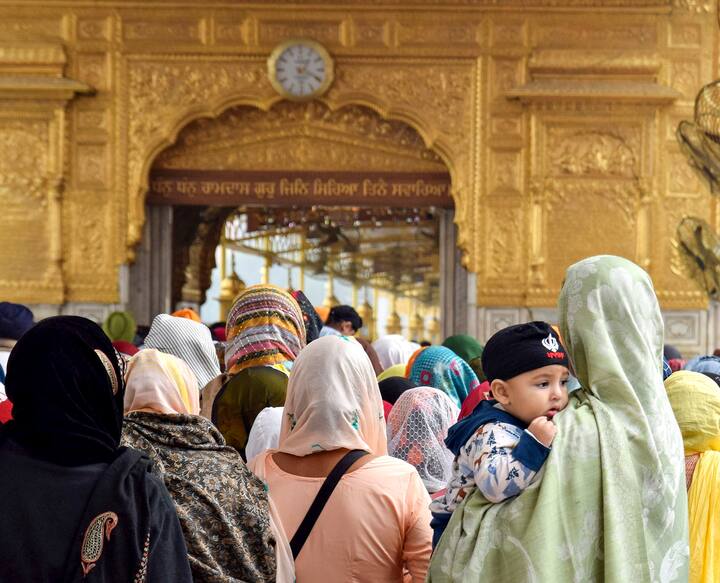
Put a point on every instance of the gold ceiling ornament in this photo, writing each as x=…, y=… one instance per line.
x=300, y=69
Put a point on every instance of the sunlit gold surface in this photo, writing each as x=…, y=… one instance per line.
x=555, y=150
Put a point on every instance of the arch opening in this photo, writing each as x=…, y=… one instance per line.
x=345, y=197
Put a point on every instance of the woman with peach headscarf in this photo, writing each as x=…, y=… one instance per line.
x=375, y=525
x=695, y=400
x=223, y=508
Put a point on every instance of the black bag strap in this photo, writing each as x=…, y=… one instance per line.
x=326, y=490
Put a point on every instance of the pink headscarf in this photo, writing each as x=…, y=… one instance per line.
x=160, y=383
x=333, y=401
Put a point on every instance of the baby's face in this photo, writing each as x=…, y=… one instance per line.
x=538, y=393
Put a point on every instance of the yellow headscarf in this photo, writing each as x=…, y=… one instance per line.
x=160, y=383
x=397, y=370
x=695, y=399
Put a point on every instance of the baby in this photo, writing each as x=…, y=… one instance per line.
x=500, y=448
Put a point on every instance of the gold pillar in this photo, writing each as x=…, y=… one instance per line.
x=230, y=287
x=417, y=325
x=434, y=328
x=394, y=323
x=365, y=310
x=330, y=300
x=354, y=294
x=301, y=282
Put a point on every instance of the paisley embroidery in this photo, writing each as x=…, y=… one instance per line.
x=99, y=528
x=142, y=571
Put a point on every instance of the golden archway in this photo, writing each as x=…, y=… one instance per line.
x=352, y=140
x=163, y=96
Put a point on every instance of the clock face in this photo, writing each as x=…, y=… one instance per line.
x=300, y=69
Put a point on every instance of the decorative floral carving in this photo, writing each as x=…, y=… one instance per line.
x=93, y=70
x=324, y=31
x=160, y=93
x=686, y=35
x=300, y=135
x=437, y=94
x=174, y=31
x=504, y=243
x=93, y=28
x=581, y=35
x=686, y=78
x=371, y=33
x=24, y=161
x=696, y=6
x=92, y=165
x=581, y=152
x=682, y=178
x=440, y=33
x=505, y=173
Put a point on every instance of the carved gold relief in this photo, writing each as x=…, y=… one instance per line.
x=503, y=225
x=190, y=30
x=330, y=32
x=576, y=152
x=93, y=69
x=685, y=35
x=299, y=137
x=686, y=78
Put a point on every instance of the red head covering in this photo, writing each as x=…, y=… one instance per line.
x=124, y=347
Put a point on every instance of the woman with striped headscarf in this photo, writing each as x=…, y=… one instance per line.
x=265, y=333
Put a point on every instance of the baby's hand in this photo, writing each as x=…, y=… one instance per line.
x=543, y=430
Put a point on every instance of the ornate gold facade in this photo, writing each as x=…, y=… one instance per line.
x=555, y=118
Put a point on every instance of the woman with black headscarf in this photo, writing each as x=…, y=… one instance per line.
x=75, y=505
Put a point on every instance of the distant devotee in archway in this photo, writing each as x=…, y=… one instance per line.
x=342, y=321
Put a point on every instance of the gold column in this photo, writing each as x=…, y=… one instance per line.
x=394, y=323
x=355, y=294
x=230, y=287
x=366, y=313
x=265, y=269
x=417, y=324
x=301, y=282
x=330, y=299
x=434, y=328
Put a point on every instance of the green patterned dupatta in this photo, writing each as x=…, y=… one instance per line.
x=611, y=503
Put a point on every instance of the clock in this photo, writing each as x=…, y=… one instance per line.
x=300, y=69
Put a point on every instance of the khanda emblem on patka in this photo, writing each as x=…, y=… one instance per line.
x=98, y=531
x=551, y=343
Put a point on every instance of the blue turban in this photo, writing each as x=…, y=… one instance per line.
x=15, y=320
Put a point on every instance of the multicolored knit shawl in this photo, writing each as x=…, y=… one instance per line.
x=265, y=326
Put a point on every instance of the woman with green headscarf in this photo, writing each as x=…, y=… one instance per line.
x=611, y=505
x=469, y=349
